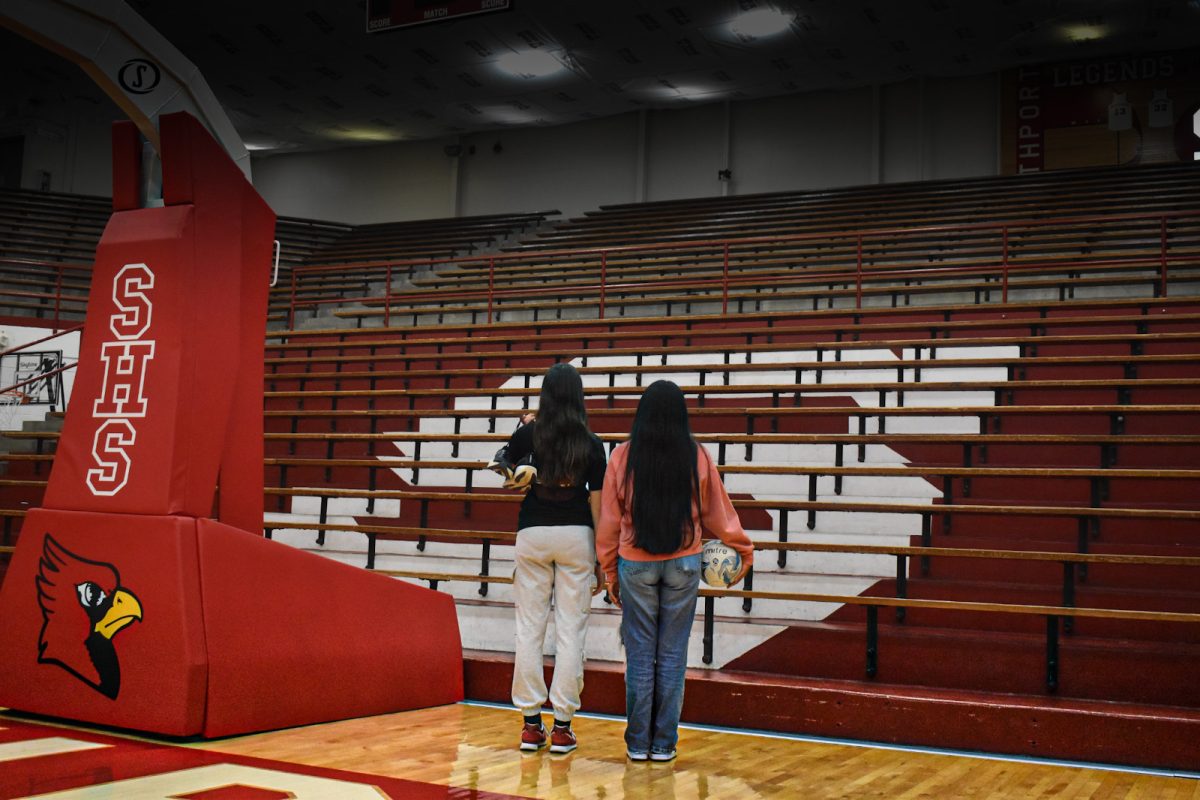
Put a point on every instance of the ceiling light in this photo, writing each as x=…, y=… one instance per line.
x=510, y=116
x=529, y=63
x=1084, y=33
x=760, y=22
x=364, y=135
x=261, y=143
x=687, y=92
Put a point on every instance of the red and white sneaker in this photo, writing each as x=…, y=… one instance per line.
x=533, y=737
x=562, y=740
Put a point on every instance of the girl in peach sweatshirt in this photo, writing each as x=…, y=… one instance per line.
x=660, y=491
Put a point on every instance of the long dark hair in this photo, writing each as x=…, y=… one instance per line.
x=661, y=468
x=562, y=443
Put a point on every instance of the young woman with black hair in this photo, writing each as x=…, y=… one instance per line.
x=662, y=490
x=556, y=554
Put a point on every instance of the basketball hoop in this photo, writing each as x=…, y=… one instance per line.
x=10, y=402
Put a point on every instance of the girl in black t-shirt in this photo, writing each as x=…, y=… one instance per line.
x=556, y=555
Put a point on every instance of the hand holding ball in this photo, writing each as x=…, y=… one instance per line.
x=720, y=564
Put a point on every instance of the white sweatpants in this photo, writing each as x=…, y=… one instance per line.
x=558, y=561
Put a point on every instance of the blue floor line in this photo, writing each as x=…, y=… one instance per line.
x=904, y=748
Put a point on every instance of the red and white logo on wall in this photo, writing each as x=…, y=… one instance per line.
x=1105, y=111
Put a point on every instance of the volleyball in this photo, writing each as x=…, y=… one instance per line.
x=719, y=563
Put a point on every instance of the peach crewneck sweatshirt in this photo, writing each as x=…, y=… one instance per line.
x=614, y=536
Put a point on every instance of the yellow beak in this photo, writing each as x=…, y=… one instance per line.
x=125, y=609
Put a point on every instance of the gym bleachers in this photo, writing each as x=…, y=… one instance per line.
x=966, y=456
x=48, y=240
x=899, y=245
x=365, y=258
x=991, y=433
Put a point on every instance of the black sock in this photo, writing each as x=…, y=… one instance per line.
x=536, y=719
x=558, y=723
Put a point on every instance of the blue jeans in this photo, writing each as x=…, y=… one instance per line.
x=659, y=603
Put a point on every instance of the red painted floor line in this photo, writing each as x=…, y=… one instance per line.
x=119, y=759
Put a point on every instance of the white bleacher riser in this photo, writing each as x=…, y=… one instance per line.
x=491, y=627
x=485, y=627
x=351, y=546
x=310, y=506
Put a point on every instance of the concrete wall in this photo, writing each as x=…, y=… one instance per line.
x=916, y=130
x=802, y=141
x=360, y=185
x=67, y=148
x=684, y=150
x=572, y=168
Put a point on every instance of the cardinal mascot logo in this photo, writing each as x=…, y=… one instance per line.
x=84, y=606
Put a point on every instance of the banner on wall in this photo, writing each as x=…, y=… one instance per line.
x=1112, y=111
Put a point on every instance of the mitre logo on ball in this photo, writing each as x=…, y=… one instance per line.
x=84, y=607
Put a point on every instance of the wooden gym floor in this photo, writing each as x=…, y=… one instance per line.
x=469, y=751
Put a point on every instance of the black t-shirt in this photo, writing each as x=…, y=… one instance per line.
x=555, y=505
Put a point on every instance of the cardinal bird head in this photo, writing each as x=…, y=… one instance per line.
x=83, y=607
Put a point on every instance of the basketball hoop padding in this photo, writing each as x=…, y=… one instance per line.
x=160, y=659
x=312, y=639
x=235, y=633
x=124, y=604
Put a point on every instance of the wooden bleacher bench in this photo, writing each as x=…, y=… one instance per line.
x=809, y=507
x=1033, y=190
x=1116, y=414
x=628, y=298
x=933, y=329
x=1028, y=346
x=777, y=391
x=603, y=328
x=938, y=471
x=825, y=221
x=820, y=220
x=438, y=238
x=1015, y=366
x=924, y=552
x=858, y=204
x=746, y=261
x=1108, y=445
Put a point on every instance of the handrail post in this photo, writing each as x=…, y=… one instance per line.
x=58, y=282
x=858, y=276
x=1004, y=262
x=387, y=298
x=725, y=282
x=292, y=303
x=707, y=639
x=1051, y=653
x=491, y=285
x=603, y=279
x=1162, y=252
x=485, y=567
x=872, y=641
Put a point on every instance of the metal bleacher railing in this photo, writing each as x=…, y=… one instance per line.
x=1154, y=232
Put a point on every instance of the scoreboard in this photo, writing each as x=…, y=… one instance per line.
x=385, y=15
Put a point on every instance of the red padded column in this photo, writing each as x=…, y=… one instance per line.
x=127, y=166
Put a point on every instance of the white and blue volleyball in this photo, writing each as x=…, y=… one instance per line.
x=719, y=563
